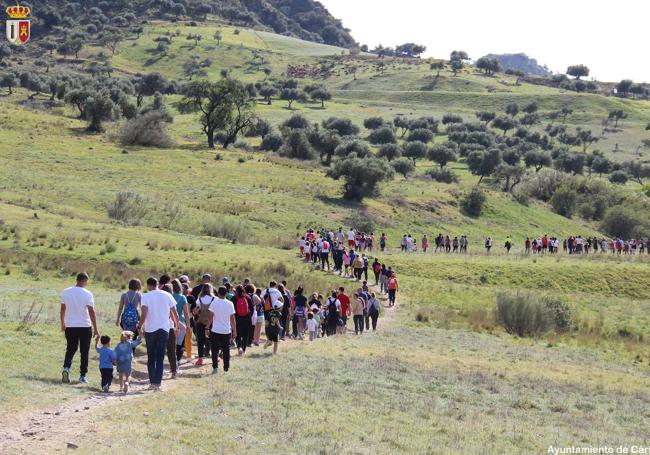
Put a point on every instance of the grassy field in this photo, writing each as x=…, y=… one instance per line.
x=440, y=376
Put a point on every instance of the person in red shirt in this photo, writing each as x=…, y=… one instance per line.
x=345, y=309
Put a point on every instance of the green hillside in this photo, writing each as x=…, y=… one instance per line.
x=441, y=375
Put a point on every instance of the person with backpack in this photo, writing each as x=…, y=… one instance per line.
x=273, y=329
x=202, y=320
x=383, y=279
x=373, y=310
x=299, y=313
x=243, y=314
x=325, y=254
x=224, y=329
x=333, y=311
x=128, y=310
x=271, y=296
x=382, y=242
x=393, y=287
x=376, y=269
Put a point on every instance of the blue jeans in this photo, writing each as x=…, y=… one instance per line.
x=156, y=348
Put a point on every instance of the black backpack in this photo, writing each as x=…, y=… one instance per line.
x=331, y=307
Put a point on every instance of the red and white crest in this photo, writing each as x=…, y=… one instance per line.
x=18, y=31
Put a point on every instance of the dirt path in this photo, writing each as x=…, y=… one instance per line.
x=21, y=433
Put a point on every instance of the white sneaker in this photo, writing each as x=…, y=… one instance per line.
x=126, y=387
x=240, y=351
x=215, y=371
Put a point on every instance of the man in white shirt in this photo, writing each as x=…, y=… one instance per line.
x=77, y=317
x=158, y=316
x=224, y=329
x=351, y=238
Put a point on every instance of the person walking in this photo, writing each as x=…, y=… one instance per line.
x=358, y=305
x=202, y=321
x=393, y=287
x=158, y=317
x=77, y=317
x=224, y=329
x=243, y=314
x=128, y=310
x=373, y=310
x=183, y=310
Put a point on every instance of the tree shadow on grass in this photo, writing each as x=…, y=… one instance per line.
x=340, y=202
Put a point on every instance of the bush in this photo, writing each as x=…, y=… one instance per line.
x=420, y=134
x=403, y=166
x=225, y=228
x=563, y=201
x=296, y=122
x=361, y=175
x=523, y=315
x=373, y=123
x=149, y=130
x=129, y=206
x=383, y=135
x=352, y=146
x=361, y=221
x=343, y=126
x=619, y=177
x=473, y=202
x=271, y=142
x=297, y=146
x=625, y=222
x=442, y=175
x=390, y=151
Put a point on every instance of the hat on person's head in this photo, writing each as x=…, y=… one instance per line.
x=277, y=305
x=206, y=277
x=225, y=280
x=184, y=279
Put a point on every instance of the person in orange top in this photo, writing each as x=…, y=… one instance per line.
x=393, y=287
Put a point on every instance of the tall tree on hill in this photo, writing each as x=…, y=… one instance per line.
x=437, y=65
x=624, y=86
x=585, y=138
x=149, y=84
x=224, y=106
x=99, y=108
x=488, y=65
x=483, y=162
x=321, y=94
x=456, y=60
x=410, y=50
x=578, y=71
x=290, y=95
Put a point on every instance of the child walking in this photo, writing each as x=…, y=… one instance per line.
x=106, y=360
x=311, y=326
x=124, y=357
x=274, y=328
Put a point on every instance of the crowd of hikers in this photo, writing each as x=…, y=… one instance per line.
x=317, y=245
x=220, y=317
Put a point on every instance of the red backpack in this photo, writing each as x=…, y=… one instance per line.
x=241, y=306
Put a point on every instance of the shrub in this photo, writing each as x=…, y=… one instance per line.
x=523, y=314
x=129, y=207
x=561, y=312
x=451, y=118
x=225, y=228
x=403, y=166
x=563, y=201
x=361, y=221
x=297, y=146
x=420, y=134
x=383, y=135
x=271, y=142
x=392, y=151
x=352, y=146
x=361, y=175
x=343, y=126
x=619, y=177
x=373, y=123
x=296, y=122
x=625, y=222
x=473, y=202
x=442, y=175
x=149, y=130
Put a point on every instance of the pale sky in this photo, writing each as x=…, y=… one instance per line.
x=611, y=38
